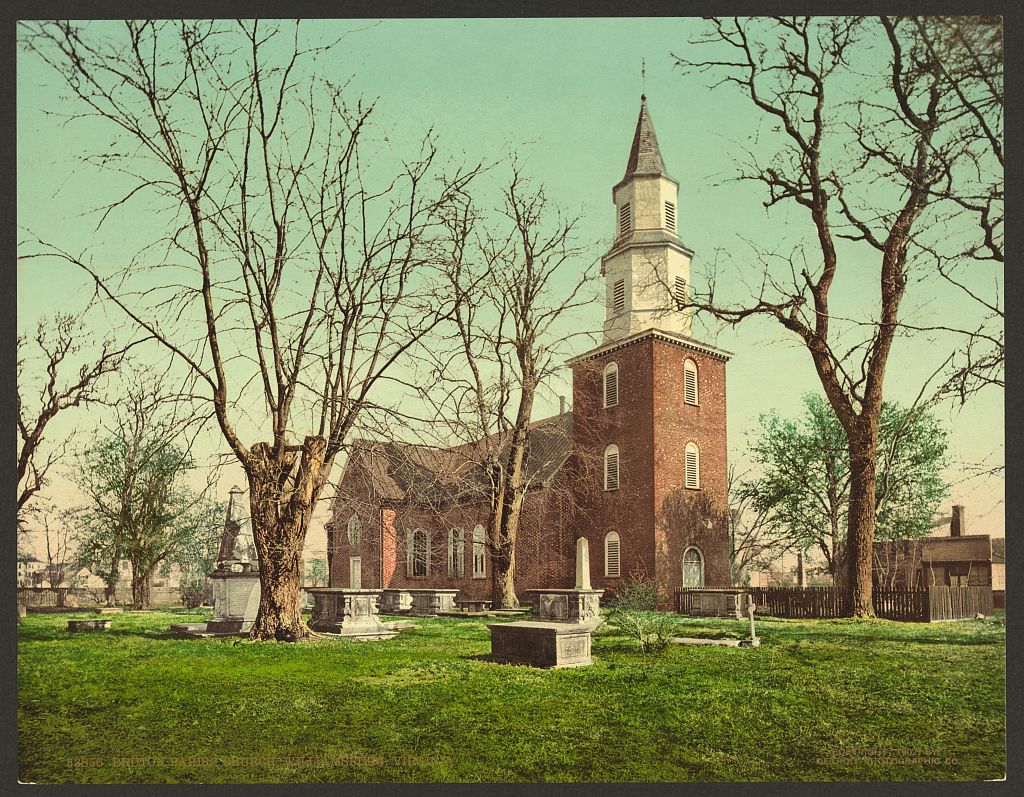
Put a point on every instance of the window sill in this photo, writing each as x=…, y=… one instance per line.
x=480, y=577
x=611, y=489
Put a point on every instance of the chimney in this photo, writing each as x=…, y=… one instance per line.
x=561, y=405
x=958, y=523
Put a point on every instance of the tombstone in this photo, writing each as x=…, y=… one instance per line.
x=560, y=637
x=579, y=605
x=348, y=612
x=753, y=642
x=431, y=602
x=236, y=579
x=395, y=601
x=88, y=625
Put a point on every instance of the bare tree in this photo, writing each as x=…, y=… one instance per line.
x=514, y=280
x=910, y=142
x=51, y=380
x=752, y=545
x=60, y=550
x=307, y=267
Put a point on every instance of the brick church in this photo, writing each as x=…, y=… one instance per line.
x=637, y=466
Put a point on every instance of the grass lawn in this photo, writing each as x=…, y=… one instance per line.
x=820, y=700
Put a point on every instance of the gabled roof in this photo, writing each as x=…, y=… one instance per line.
x=395, y=472
x=644, y=155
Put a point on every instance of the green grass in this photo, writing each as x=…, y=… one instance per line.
x=820, y=700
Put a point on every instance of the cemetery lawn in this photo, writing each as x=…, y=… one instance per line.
x=820, y=700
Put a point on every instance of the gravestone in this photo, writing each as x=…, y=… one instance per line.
x=395, y=601
x=236, y=579
x=560, y=637
x=348, y=612
x=88, y=625
x=431, y=602
x=579, y=605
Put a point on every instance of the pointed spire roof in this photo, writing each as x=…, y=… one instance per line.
x=644, y=155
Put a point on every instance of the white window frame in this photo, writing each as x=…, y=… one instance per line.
x=700, y=556
x=479, y=552
x=456, y=553
x=611, y=455
x=612, y=540
x=692, y=483
x=354, y=528
x=611, y=385
x=690, y=371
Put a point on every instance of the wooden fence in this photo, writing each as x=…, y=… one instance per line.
x=921, y=605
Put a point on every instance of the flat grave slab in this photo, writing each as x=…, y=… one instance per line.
x=88, y=625
x=540, y=644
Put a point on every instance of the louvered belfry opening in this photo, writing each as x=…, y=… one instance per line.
x=611, y=555
x=679, y=293
x=619, y=296
x=670, y=216
x=625, y=218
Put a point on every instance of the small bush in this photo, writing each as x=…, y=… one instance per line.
x=633, y=611
x=192, y=592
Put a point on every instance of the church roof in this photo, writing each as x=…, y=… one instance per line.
x=395, y=471
x=644, y=155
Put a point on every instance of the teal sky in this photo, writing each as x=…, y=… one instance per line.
x=563, y=95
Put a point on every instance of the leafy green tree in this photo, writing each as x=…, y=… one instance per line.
x=804, y=490
x=316, y=572
x=140, y=505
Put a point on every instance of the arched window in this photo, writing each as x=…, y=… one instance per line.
x=417, y=554
x=353, y=530
x=611, y=385
x=611, y=468
x=456, y=553
x=611, y=554
x=692, y=466
x=479, y=552
x=693, y=568
x=690, y=382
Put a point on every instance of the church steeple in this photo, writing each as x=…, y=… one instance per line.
x=647, y=268
x=644, y=156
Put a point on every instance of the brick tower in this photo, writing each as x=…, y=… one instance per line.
x=649, y=403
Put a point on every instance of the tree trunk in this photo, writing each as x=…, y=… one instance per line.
x=280, y=518
x=861, y=525
x=503, y=579
x=140, y=587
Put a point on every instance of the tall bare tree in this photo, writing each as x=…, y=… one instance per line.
x=53, y=377
x=515, y=278
x=308, y=263
x=886, y=170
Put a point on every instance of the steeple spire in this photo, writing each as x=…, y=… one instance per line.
x=644, y=155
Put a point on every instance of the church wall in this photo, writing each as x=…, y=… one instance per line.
x=628, y=510
x=676, y=424
x=544, y=549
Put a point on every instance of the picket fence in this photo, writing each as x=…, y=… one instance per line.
x=920, y=605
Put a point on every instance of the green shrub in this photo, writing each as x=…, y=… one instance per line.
x=633, y=611
x=193, y=590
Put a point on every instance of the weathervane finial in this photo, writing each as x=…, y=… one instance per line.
x=643, y=80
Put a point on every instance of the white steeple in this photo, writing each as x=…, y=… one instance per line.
x=647, y=269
